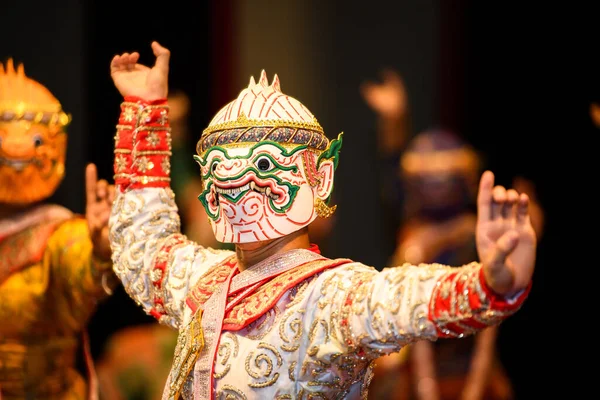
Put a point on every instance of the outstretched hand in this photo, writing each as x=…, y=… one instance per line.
x=99, y=199
x=388, y=99
x=506, y=240
x=133, y=79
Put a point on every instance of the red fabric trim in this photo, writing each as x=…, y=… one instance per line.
x=499, y=302
x=136, y=99
x=158, y=271
x=155, y=140
x=142, y=185
x=453, y=316
x=292, y=281
x=126, y=167
x=207, y=284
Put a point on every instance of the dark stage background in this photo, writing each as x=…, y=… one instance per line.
x=513, y=80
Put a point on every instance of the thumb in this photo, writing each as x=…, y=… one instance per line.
x=503, y=247
x=162, y=56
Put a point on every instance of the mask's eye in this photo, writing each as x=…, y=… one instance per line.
x=37, y=141
x=264, y=164
x=213, y=167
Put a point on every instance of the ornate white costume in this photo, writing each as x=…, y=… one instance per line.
x=296, y=325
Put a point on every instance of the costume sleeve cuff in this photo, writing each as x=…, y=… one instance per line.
x=462, y=303
x=142, y=144
x=503, y=303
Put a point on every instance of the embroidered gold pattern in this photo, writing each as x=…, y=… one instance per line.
x=228, y=348
x=209, y=282
x=144, y=164
x=120, y=163
x=265, y=297
x=189, y=343
x=258, y=329
x=265, y=362
x=153, y=139
x=165, y=165
x=128, y=114
x=229, y=392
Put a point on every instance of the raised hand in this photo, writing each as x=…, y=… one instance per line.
x=99, y=199
x=536, y=212
x=506, y=240
x=133, y=79
x=388, y=99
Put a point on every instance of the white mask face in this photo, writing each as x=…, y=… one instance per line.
x=263, y=191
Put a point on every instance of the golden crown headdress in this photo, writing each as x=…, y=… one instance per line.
x=262, y=112
x=24, y=99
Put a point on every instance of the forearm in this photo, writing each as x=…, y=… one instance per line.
x=393, y=133
x=425, y=380
x=400, y=305
x=144, y=224
x=481, y=363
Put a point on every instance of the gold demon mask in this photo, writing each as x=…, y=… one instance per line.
x=32, y=138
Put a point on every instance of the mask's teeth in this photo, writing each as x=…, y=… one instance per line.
x=215, y=193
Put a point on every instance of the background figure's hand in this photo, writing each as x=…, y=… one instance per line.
x=506, y=241
x=99, y=199
x=133, y=79
x=536, y=212
x=388, y=99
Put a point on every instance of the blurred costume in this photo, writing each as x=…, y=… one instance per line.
x=136, y=363
x=50, y=282
x=438, y=175
x=296, y=325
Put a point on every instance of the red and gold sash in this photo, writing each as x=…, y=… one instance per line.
x=241, y=312
x=224, y=299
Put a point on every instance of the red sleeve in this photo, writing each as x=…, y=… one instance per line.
x=142, y=144
x=462, y=303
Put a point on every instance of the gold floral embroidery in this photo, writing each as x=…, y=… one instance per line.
x=120, y=163
x=144, y=164
x=153, y=139
x=128, y=114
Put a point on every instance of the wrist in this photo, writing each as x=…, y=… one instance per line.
x=506, y=301
x=152, y=100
